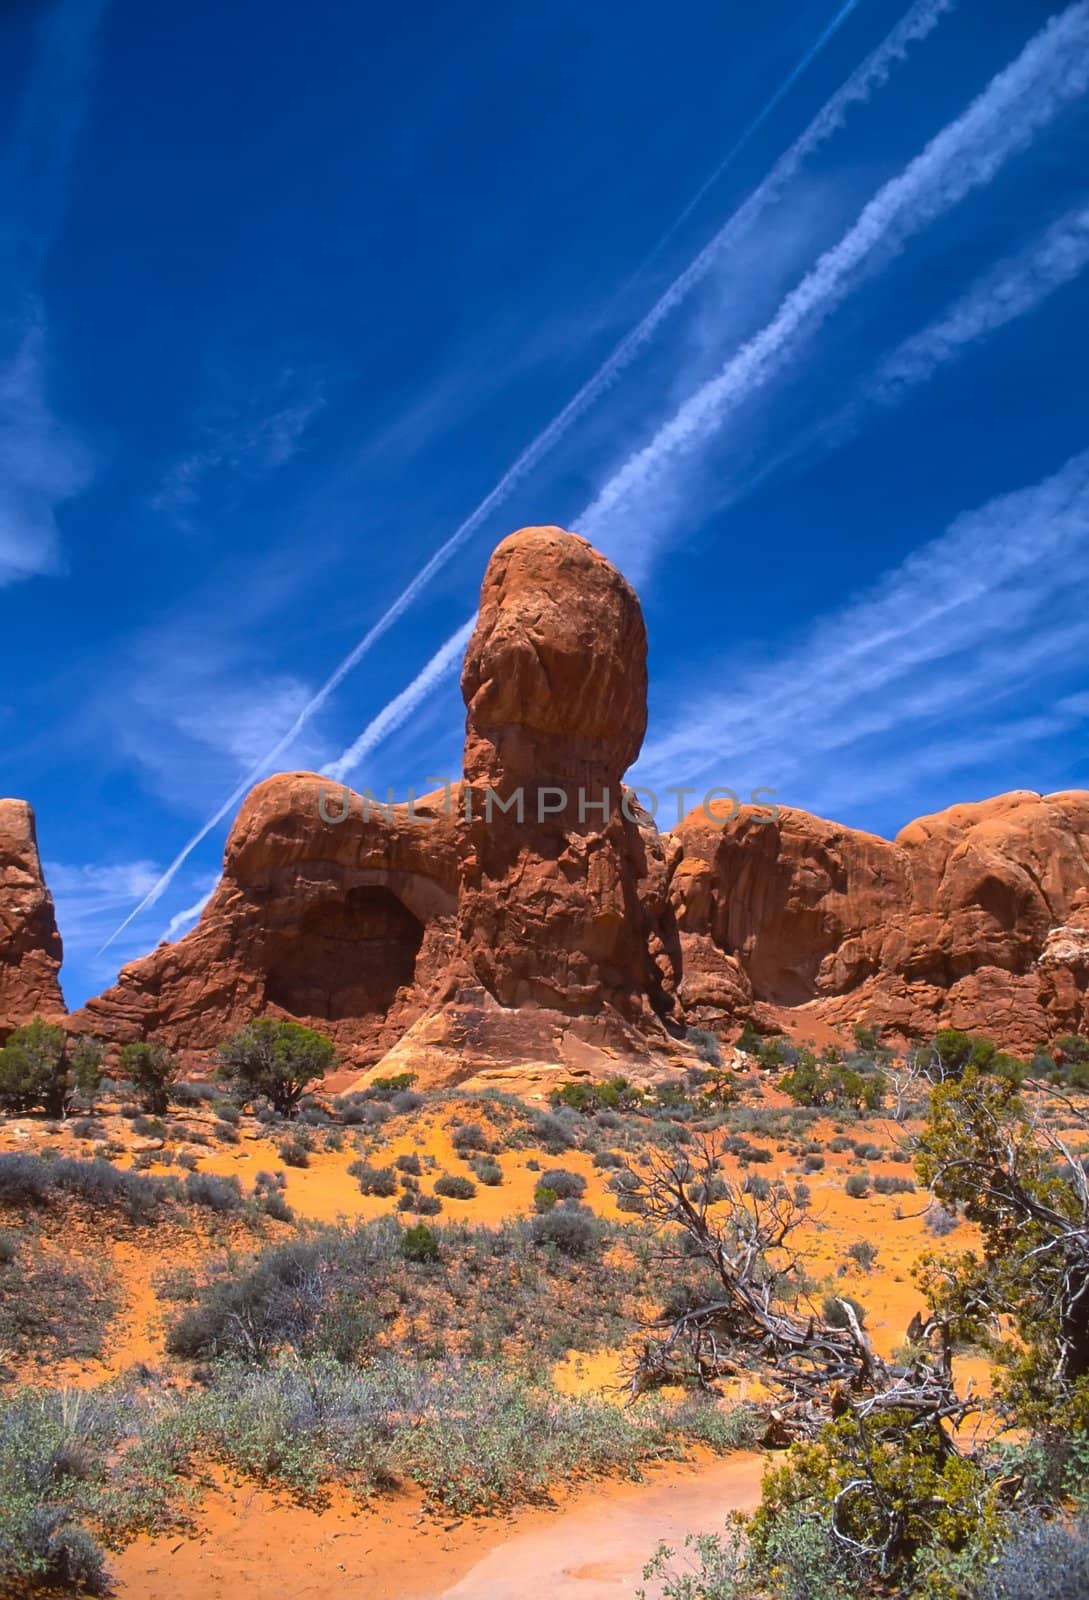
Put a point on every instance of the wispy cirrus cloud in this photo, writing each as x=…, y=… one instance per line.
x=191, y=724
x=1050, y=73
x=88, y=897
x=902, y=671
x=183, y=920
x=42, y=460
x=42, y=463
x=238, y=443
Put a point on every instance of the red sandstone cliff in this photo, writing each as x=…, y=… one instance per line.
x=975, y=917
x=564, y=931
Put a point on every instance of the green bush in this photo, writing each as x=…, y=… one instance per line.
x=858, y=1185
x=85, y=1057
x=151, y=1069
x=487, y=1171
x=906, y=1502
x=293, y=1153
x=276, y=1302
x=374, y=1180
x=884, y=1184
x=213, y=1192
x=583, y=1095
x=276, y=1059
x=274, y=1205
x=468, y=1136
x=34, y=1069
x=571, y=1229
x=420, y=1243
x=394, y=1084
x=564, y=1185
x=452, y=1186
x=27, y=1179
x=863, y=1252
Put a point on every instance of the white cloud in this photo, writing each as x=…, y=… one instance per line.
x=192, y=721
x=88, y=898
x=42, y=464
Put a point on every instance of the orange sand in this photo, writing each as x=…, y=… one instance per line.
x=255, y=1546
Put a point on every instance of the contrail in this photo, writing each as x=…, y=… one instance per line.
x=916, y=25
x=1013, y=288
x=403, y=705
x=989, y=577
x=1010, y=290
x=753, y=128
x=1025, y=97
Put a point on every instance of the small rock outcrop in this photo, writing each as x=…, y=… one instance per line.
x=30, y=946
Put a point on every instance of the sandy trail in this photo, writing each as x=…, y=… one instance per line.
x=597, y=1550
x=254, y=1546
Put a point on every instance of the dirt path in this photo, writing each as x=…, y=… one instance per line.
x=596, y=1550
x=593, y=1545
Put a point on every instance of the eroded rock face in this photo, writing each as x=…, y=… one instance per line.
x=564, y=895
x=341, y=923
x=30, y=946
x=973, y=918
x=534, y=921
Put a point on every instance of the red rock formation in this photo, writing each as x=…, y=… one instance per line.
x=543, y=923
x=30, y=946
x=567, y=956
x=562, y=907
x=341, y=923
x=969, y=918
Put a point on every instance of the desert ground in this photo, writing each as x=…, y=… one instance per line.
x=110, y=1299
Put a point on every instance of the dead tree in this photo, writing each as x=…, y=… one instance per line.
x=751, y=1323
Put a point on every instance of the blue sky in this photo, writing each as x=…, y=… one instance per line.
x=786, y=308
